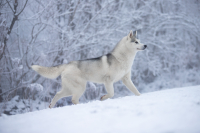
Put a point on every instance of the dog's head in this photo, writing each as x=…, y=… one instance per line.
x=134, y=43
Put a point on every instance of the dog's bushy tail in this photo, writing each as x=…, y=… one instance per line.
x=49, y=72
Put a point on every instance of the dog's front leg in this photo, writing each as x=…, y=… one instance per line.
x=129, y=84
x=110, y=91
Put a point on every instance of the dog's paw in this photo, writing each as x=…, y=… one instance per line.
x=50, y=106
x=138, y=94
x=102, y=98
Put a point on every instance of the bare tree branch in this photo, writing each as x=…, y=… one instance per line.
x=15, y=18
x=22, y=8
x=74, y=13
x=10, y=6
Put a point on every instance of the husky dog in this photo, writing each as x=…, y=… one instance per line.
x=106, y=69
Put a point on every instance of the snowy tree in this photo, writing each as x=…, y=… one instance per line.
x=53, y=32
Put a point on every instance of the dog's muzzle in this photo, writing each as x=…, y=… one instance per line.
x=145, y=46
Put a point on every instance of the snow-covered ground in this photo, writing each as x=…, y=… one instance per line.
x=168, y=111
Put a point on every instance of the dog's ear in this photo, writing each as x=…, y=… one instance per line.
x=135, y=34
x=130, y=35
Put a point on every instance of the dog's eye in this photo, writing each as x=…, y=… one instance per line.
x=136, y=42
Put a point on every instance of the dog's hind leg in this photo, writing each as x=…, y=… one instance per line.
x=78, y=92
x=75, y=98
x=110, y=91
x=77, y=86
x=58, y=96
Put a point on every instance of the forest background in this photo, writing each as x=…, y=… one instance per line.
x=53, y=32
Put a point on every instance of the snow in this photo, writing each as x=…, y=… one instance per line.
x=17, y=60
x=167, y=111
x=92, y=85
x=36, y=86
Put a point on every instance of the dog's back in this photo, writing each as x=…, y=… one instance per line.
x=106, y=69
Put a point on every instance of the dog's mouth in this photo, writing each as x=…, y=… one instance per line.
x=145, y=46
x=140, y=49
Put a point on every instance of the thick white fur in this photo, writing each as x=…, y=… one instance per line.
x=48, y=72
x=107, y=70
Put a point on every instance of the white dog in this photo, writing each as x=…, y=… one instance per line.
x=106, y=69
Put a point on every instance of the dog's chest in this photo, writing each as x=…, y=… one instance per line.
x=125, y=65
x=118, y=71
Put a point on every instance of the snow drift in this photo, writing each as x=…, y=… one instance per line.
x=174, y=110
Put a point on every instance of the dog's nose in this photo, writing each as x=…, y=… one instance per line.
x=145, y=46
